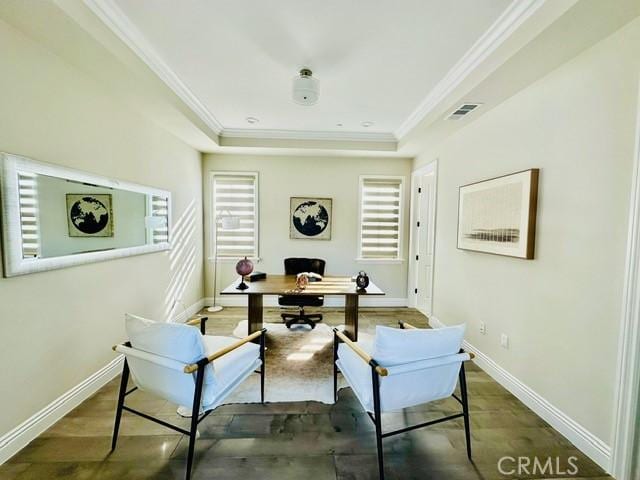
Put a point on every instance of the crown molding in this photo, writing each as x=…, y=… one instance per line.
x=308, y=135
x=116, y=20
x=512, y=18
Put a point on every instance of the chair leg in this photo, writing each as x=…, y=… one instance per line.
x=335, y=368
x=124, y=380
x=262, y=368
x=465, y=409
x=195, y=415
x=378, y=421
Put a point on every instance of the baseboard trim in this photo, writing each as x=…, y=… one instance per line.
x=18, y=438
x=190, y=311
x=272, y=301
x=583, y=439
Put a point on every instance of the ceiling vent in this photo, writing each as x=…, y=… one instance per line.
x=462, y=110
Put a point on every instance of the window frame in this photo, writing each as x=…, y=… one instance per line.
x=400, y=256
x=213, y=241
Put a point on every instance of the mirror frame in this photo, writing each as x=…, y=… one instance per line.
x=13, y=262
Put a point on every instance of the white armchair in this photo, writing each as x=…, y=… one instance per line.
x=402, y=368
x=181, y=364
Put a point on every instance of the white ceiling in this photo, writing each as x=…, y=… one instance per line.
x=376, y=60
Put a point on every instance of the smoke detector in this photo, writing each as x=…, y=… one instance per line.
x=306, y=89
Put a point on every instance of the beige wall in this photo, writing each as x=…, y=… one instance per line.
x=561, y=310
x=338, y=178
x=57, y=327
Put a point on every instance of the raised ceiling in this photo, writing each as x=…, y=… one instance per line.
x=377, y=61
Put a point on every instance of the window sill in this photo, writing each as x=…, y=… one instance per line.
x=380, y=260
x=233, y=259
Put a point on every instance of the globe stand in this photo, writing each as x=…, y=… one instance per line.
x=242, y=286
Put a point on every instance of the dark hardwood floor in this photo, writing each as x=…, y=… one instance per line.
x=302, y=440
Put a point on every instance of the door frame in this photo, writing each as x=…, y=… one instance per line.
x=412, y=271
x=627, y=406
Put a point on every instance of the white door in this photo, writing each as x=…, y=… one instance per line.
x=422, y=242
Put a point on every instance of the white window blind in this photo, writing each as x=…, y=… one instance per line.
x=380, y=217
x=160, y=209
x=28, y=192
x=236, y=195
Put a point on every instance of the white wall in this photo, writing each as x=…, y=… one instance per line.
x=57, y=327
x=561, y=310
x=283, y=177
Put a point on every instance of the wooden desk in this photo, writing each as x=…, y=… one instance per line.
x=286, y=285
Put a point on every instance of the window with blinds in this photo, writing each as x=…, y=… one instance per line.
x=235, y=206
x=28, y=193
x=160, y=214
x=380, y=217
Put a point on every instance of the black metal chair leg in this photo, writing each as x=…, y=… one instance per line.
x=124, y=380
x=465, y=409
x=195, y=415
x=335, y=367
x=377, y=420
x=263, y=367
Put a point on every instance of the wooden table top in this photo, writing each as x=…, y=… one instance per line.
x=286, y=284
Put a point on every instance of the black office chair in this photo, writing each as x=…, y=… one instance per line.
x=293, y=266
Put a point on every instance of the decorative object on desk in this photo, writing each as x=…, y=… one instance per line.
x=228, y=222
x=243, y=267
x=362, y=280
x=310, y=218
x=89, y=215
x=302, y=280
x=256, y=276
x=312, y=276
x=499, y=215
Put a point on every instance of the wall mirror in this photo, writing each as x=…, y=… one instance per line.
x=56, y=217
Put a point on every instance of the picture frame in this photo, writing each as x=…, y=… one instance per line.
x=310, y=218
x=498, y=215
x=89, y=215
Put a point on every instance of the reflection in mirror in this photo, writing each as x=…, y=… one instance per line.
x=54, y=213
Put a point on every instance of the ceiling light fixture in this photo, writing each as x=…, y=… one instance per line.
x=252, y=120
x=306, y=89
x=367, y=124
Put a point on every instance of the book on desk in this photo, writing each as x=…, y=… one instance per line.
x=255, y=276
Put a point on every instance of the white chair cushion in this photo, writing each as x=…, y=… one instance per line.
x=176, y=341
x=394, y=346
x=172, y=340
x=432, y=373
x=230, y=369
x=357, y=372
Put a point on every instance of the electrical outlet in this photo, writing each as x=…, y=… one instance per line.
x=504, y=341
x=483, y=328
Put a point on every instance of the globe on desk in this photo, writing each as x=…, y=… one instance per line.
x=243, y=267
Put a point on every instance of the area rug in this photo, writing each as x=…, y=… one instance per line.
x=299, y=365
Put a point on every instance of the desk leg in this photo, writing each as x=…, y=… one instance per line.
x=255, y=313
x=351, y=317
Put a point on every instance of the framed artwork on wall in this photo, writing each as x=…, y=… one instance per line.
x=89, y=215
x=310, y=218
x=499, y=215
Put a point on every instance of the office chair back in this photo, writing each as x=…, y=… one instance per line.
x=295, y=265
